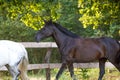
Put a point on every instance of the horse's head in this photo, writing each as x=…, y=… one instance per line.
x=45, y=32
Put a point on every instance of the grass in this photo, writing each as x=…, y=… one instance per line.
x=81, y=74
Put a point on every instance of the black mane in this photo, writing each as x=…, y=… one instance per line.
x=65, y=31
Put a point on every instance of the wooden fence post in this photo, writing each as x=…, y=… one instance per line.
x=47, y=60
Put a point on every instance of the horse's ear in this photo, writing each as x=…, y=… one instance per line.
x=51, y=20
x=45, y=21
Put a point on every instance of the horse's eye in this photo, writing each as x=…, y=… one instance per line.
x=43, y=29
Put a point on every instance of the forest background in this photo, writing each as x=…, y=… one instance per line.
x=20, y=19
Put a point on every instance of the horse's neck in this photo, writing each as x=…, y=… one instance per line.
x=60, y=37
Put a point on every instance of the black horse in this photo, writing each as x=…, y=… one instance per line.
x=74, y=48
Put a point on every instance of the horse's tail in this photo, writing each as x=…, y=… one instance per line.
x=118, y=54
x=23, y=66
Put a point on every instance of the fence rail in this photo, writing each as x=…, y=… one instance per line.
x=57, y=65
x=39, y=45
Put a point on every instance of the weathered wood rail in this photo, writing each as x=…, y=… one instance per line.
x=57, y=65
x=39, y=45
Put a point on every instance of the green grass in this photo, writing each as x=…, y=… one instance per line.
x=91, y=74
x=81, y=74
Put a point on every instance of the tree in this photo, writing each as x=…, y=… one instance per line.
x=101, y=14
x=16, y=31
x=32, y=12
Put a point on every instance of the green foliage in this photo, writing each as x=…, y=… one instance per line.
x=15, y=30
x=32, y=13
x=102, y=15
x=82, y=73
x=114, y=31
x=99, y=13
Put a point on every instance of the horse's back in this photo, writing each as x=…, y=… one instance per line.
x=111, y=48
x=110, y=43
x=90, y=49
x=11, y=52
x=11, y=45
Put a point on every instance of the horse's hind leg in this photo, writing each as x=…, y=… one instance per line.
x=71, y=70
x=13, y=71
x=102, y=68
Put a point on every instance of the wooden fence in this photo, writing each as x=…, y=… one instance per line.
x=48, y=65
x=58, y=65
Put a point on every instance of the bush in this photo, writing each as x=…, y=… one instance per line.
x=15, y=30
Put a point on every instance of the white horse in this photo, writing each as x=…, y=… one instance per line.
x=14, y=56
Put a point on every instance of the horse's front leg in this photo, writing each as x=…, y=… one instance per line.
x=102, y=68
x=71, y=70
x=62, y=68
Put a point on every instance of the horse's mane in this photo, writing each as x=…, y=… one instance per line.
x=65, y=31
